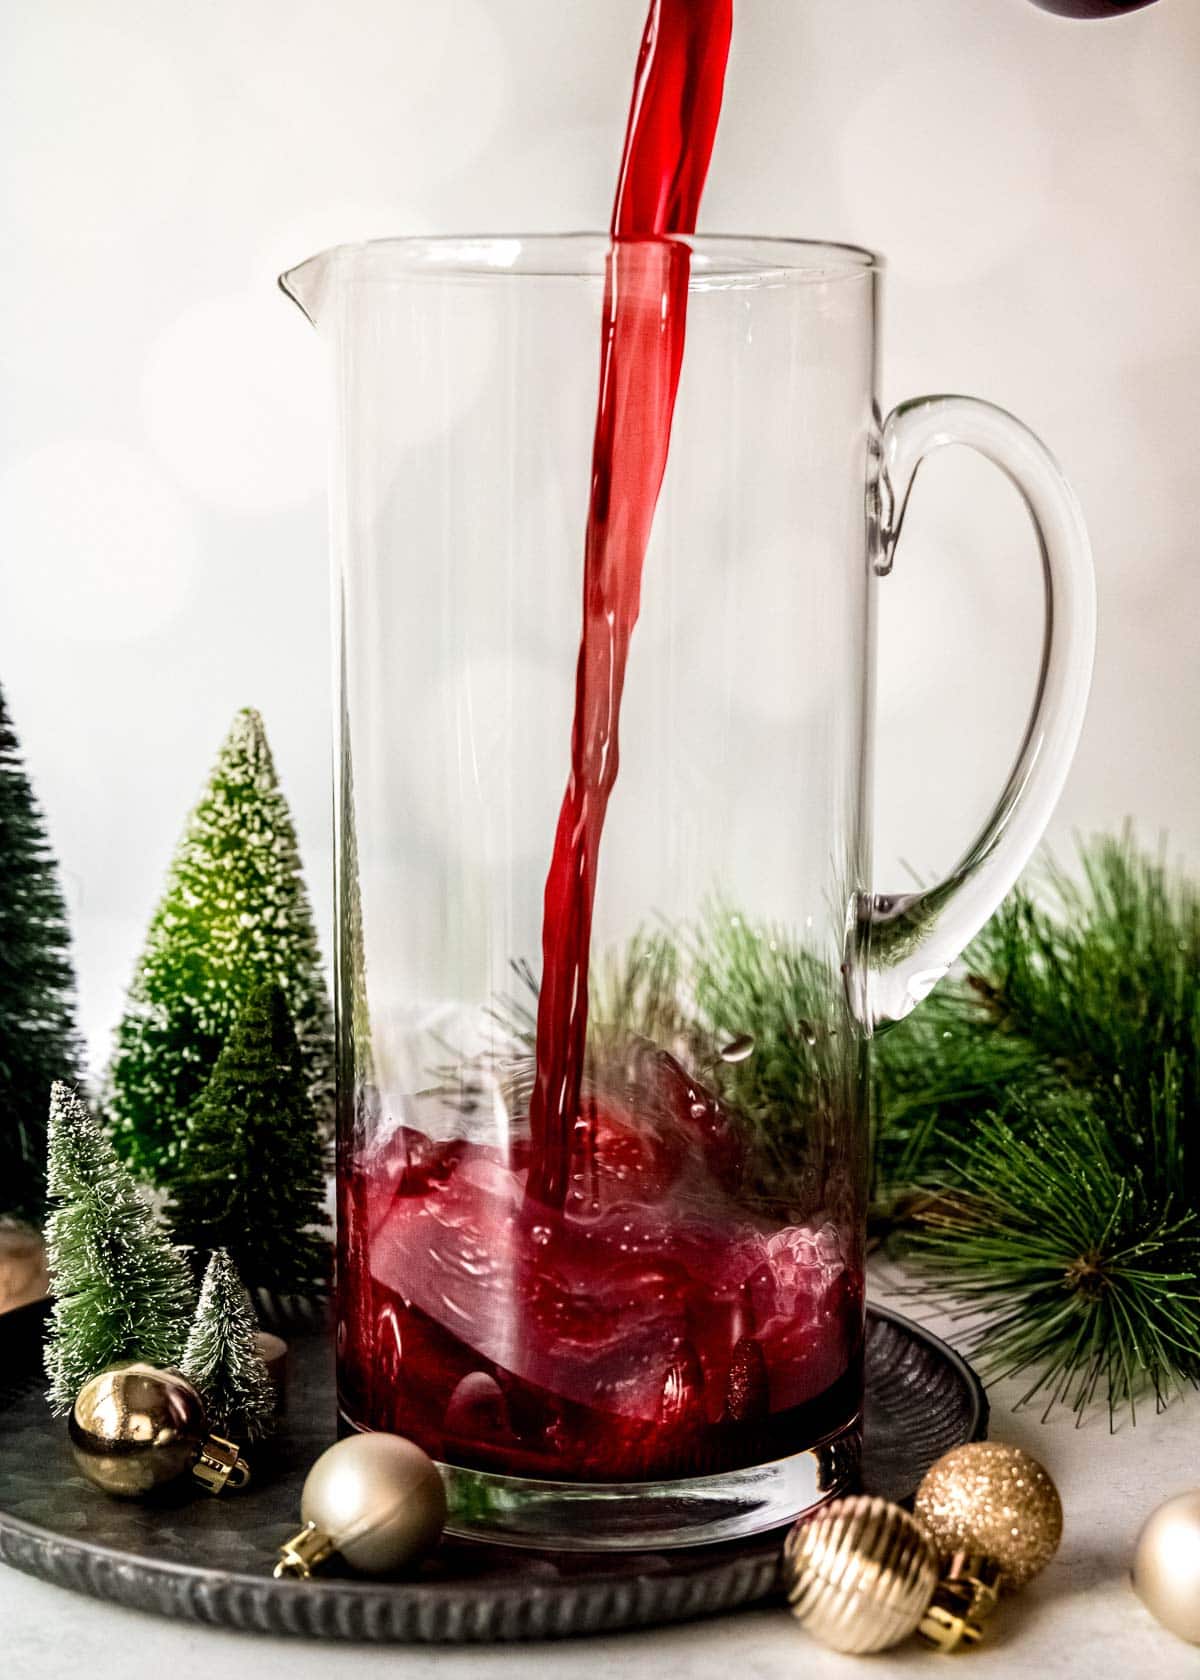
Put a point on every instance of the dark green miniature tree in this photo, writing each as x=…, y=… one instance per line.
x=251, y=1176
x=121, y=1291
x=222, y=1359
x=38, y=1043
x=235, y=915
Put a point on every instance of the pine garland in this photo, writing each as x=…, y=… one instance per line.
x=1060, y=1259
x=1039, y=1128
x=1036, y=1153
x=235, y=915
x=222, y=1360
x=121, y=1291
x=38, y=1040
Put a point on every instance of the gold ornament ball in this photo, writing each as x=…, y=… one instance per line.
x=1166, y=1566
x=997, y=1501
x=378, y=1499
x=859, y=1574
x=136, y=1427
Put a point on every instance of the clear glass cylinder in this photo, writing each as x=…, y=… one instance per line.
x=674, y=1353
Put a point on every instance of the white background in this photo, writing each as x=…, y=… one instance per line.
x=1035, y=184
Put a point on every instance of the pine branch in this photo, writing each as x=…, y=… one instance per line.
x=1044, y=1110
x=1035, y=1116
x=1060, y=1260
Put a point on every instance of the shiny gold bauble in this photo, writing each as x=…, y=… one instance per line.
x=1166, y=1566
x=995, y=1502
x=859, y=1574
x=136, y=1427
x=377, y=1500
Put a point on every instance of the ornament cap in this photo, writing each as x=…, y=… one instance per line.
x=962, y=1602
x=949, y=1623
x=220, y=1465
x=300, y=1555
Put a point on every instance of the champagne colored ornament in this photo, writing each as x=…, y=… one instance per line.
x=859, y=1574
x=996, y=1504
x=377, y=1500
x=1166, y=1565
x=135, y=1428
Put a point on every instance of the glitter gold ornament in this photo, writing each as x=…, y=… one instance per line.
x=134, y=1428
x=377, y=1500
x=995, y=1504
x=1166, y=1565
x=859, y=1574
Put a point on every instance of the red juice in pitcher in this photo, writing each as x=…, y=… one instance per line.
x=654, y=1326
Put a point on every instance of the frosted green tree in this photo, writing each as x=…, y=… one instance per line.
x=222, y=1358
x=235, y=916
x=121, y=1291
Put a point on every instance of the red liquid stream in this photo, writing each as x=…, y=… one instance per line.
x=668, y=144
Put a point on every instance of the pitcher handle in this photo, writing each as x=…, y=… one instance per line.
x=908, y=941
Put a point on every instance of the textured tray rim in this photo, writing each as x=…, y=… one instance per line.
x=727, y=1577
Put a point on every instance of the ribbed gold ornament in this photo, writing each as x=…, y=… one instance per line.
x=859, y=1574
x=995, y=1502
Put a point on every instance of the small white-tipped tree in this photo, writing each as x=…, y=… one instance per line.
x=121, y=1291
x=222, y=1359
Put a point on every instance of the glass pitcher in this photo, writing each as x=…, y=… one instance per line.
x=671, y=1353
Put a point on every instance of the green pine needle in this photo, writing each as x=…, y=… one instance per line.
x=1038, y=1123
x=753, y=981
x=1035, y=1129
x=1060, y=1260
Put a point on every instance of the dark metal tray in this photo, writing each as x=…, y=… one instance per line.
x=209, y=1560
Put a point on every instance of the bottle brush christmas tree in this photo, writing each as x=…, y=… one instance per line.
x=121, y=1291
x=235, y=915
x=37, y=1021
x=222, y=1360
x=251, y=1177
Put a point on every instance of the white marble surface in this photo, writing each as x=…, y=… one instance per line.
x=1079, y=1620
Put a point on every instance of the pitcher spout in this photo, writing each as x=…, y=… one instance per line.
x=308, y=285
